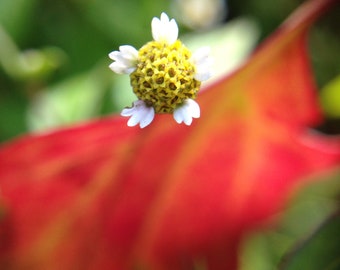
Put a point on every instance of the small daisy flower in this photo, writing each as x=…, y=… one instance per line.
x=164, y=75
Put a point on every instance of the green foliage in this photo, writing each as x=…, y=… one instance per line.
x=45, y=44
x=320, y=251
x=307, y=236
x=53, y=58
x=16, y=17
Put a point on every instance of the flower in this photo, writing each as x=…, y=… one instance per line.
x=140, y=113
x=125, y=59
x=187, y=111
x=164, y=75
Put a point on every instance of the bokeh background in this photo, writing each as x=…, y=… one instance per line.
x=54, y=73
x=54, y=64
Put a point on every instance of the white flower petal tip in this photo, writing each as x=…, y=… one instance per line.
x=203, y=62
x=185, y=113
x=164, y=29
x=125, y=60
x=140, y=114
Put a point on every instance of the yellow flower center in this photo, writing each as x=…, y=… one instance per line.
x=164, y=77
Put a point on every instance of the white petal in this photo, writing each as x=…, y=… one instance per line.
x=127, y=111
x=178, y=115
x=201, y=55
x=164, y=18
x=164, y=29
x=194, y=108
x=129, y=50
x=185, y=113
x=120, y=68
x=147, y=117
x=129, y=70
x=203, y=75
x=134, y=119
x=125, y=59
x=203, y=62
x=120, y=58
x=117, y=68
x=140, y=114
x=187, y=119
x=155, y=28
x=172, y=32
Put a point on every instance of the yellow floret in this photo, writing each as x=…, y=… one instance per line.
x=164, y=76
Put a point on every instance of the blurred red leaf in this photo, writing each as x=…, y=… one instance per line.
x=105, y=196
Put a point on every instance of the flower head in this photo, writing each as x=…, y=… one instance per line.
x=164, y=75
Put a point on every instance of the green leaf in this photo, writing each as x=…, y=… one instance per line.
x=16, y=15
x=12, y=122
x=75, y=99
x=311, y=207
x=321, y=251
x=122, y=21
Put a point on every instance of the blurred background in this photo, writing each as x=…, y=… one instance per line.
x=54, y=73
x=54, y=64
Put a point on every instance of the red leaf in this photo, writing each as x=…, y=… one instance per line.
x=105, y=196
